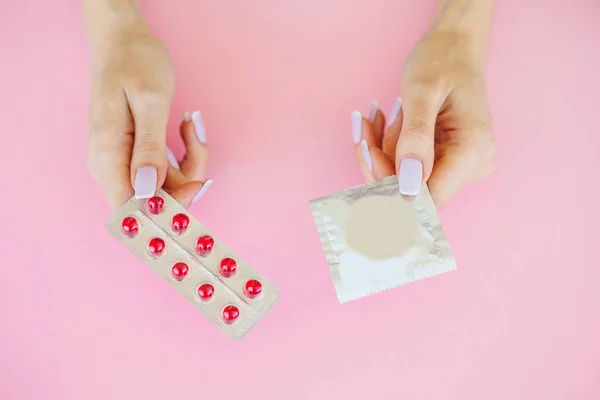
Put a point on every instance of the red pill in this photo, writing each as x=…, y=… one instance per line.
x=129, y=227
x=156, y=205
x=180, y=271
x=230, y=314
x=156, y=246
x=204, y=245
x=206, y=291
x=180, y=223
x=253, y=288
x=228, y=267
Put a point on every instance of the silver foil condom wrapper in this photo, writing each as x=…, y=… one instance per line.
x=375, y=239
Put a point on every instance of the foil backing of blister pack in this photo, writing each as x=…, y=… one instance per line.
x=204, y=270
x=375, y=239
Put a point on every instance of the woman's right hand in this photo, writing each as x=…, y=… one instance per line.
x=133, y=81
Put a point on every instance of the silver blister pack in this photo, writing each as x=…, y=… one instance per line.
x=215, y=280
x=375, y=239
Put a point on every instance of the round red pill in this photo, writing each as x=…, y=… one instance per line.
x=204, y=245
x=230, y=314
x=156, y=205
x=206, y=291
x=129, y=227
x=180, y=223
x=252, y=288
x=180, y=271
x=228, y=267
x=156, y=246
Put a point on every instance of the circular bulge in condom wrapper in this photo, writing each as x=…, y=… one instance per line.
x=382, y=227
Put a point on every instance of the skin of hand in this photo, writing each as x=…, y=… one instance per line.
x=132, y=85
x=440, y=131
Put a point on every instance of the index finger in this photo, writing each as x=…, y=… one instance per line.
x=109, y=158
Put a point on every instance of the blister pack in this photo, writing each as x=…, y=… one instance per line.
x=375, y=239
x=164, y=235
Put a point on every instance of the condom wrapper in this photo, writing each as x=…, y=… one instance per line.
x=183, y=252
x=375, y=239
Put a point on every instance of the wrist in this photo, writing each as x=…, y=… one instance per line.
x=469, y=21
x=104, y=18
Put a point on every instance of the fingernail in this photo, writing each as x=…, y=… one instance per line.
x=145, y=182
x=410, y=176
x=373, y=111
x=395, y=111
x=356, y=126
x=199, y=125
x=203, y=190
x=367, y=154
x=172, y=159
x=187, y=117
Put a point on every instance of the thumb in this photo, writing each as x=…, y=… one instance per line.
x=149, y=159
x=415, y=148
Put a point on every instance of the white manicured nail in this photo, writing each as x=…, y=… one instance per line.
x=356, y=126
x=145, y=182
x=366, y=154
x=203, y=190
x=172, y=159
x=410, y=176
x=187, y=117
x=199, y=125
x=373, y=111
x=395, y=111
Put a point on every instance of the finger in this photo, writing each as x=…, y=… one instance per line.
x=449, y=175
x=150, y=111
x=392, y=131
x=172, y=159
x=192, y=131
x=373, y=163
x=415, y=149
x=363, y=129
x=110, y=141
x=377, y=120
x=174, y=178
x=190, y=192
x=109, y=158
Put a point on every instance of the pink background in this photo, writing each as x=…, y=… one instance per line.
x=82, y=318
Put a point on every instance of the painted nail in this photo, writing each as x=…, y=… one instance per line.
x=373, y=111
x=172, y=159
x=366, y=154
x=187, y=117
x=199, y=125
x=203, y=190
x=410, y=177
x=395, y=111
x=145, y=182
x=356, y=126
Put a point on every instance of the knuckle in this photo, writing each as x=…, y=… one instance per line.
x=149, y=96
x=152, y=94
x=147, y=144
x=418, y=127
x=428, y=86
x=414, y=141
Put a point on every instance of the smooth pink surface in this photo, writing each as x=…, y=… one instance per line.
x=82, y=318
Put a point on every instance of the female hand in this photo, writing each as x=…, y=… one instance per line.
x=440, y=132
x=133, y=81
